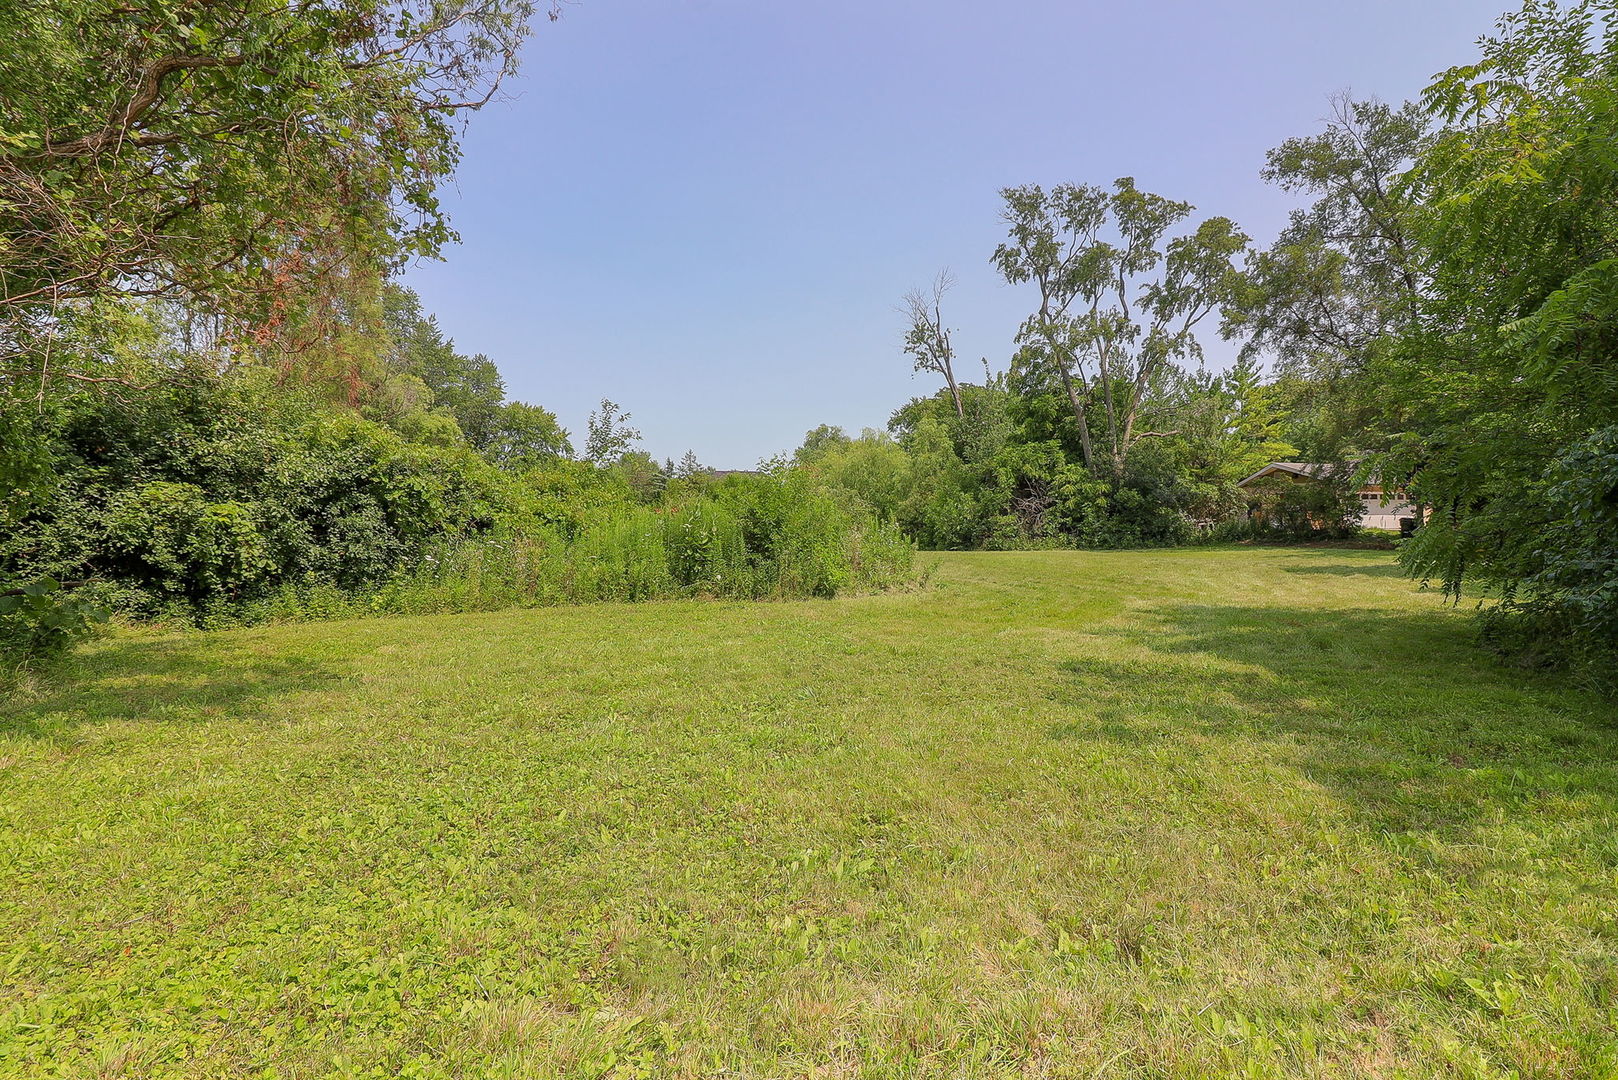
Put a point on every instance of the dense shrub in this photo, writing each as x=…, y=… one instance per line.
x=228, y=499
x=751, y=537
x=1580, y=546
x=207, y=493
x=1558, y=576
x=40, y=620
x=173, y=543
x=962, y=481
x=1328, y=507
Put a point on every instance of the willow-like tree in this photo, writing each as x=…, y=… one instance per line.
x=1119, y=298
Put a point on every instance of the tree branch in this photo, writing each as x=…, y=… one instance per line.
x=147, y=94
x=75, y=376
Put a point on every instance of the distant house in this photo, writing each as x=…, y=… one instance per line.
x=1383, y=508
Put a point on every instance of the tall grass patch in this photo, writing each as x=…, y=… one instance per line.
x=775, y=536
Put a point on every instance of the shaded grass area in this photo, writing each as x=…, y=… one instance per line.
x=1225, y=812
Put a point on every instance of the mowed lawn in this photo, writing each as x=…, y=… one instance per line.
x=1205, y=813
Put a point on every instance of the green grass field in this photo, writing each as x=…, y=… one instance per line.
x=1201, y=813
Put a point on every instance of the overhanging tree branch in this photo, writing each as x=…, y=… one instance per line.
x=147, y=94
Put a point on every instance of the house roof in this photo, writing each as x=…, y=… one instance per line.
x=1311, y=469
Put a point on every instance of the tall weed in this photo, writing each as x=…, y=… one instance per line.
x=774, y=536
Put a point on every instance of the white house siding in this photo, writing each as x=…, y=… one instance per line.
x=1384, y=515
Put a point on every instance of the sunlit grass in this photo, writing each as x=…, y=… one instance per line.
x=1207, y=813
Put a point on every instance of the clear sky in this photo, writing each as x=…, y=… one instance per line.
x=708, y=210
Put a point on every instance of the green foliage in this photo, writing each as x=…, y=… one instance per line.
x=609, y=435
x=874, y=467
x=1119, y=298
x=566, y=494
x=1580, y=566
x=978, y=478
x=938, y=506
x=525, y=434
x=1508, y=385
x=773, y=536
x=817, y=442
x=468, y=388
x=25, y=461
x=252, y=161
x=229, y=498
x=1019, y=491
x=1014, y=462
x=427, y=373
x=1566, y=612
x=981, y=428
x=40, y=620
x=203, y=493
x=1326, y=507
x=641, y=474
x=1230, y=425
x=176, y=542
x=1346, y=271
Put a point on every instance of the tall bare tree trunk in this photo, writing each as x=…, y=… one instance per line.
x=954, y=390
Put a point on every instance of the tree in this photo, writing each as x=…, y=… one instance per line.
x=978, y=429
x=641, y=472
x=872, y=466
x=1507, y=380
x=526, y=434
x=469, y=388
x=927, y=340
x=254, y=161
x=1344, y=273
x=1232, y=423
x=1118, y=305
x=818, y=442
x=689, y=467
x=937, y=510
x=609, y=435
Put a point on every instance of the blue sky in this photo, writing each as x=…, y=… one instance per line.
x=708, y=210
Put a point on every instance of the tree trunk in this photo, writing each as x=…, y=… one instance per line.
x=954, y=390
x=1078, y=414
x=1129, y=435
x=1112, y=420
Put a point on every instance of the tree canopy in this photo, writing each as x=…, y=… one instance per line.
x=257, y=162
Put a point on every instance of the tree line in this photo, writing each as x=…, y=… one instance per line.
x=1438, y=318
x=215, y=402
x=217, y=405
